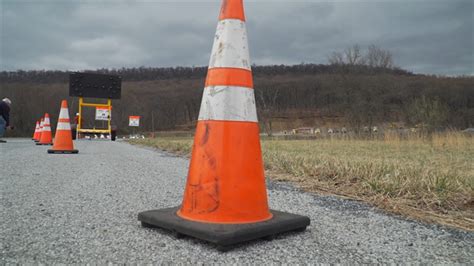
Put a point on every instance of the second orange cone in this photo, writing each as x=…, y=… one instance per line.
x=46, y=137
x=40, y=130
x=63, y=137
x=37, y=131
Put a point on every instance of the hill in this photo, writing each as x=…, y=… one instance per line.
x=287, y=97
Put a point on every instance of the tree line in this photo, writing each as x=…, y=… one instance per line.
x=353, y=91
x=153, y=73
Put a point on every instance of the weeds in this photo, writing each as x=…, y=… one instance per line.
x=426, y=177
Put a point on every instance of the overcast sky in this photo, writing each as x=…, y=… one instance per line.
x=432, y=37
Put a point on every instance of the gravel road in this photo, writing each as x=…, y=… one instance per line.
x=83, y=209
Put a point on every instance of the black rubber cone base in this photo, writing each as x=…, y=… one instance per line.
x=225, y=236
x=44, y=143
x=63, y=151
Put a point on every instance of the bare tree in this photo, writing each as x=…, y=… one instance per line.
x=378, y=57
x=353, y=55
x=336, y=58
x=268, y=99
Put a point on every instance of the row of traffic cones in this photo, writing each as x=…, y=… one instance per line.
x=63, y=138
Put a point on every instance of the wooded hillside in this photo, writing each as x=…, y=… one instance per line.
x=287, y=96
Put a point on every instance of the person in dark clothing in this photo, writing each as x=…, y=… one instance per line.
x=4, y=117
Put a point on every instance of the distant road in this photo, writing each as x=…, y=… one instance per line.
x=83, y=208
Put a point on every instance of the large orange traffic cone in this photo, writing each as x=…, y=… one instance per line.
x=225, y=200
x=46, y=137
x=63, y=137
x=35, y=134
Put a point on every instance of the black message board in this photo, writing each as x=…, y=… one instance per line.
x=95, y=85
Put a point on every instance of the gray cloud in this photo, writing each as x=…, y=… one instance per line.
x=434, y=37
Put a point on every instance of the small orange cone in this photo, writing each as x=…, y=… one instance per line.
x=35, y=134
x=225, y=200
x=40, y=129
x=46, y=137
x=63, y=137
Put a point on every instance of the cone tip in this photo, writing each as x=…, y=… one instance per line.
x=64, y=104
x=232, y=9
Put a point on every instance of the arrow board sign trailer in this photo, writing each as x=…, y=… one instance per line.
x=133, y=121
x=102, y=113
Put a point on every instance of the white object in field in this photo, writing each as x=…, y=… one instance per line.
x=375, y=129
x=317, y=131
x=330, y=131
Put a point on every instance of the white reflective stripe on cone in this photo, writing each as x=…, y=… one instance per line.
x=63, y=126
x=46, y=128
x=228, y=103
x=46, y=121
x=64, y=113
x=230, y=47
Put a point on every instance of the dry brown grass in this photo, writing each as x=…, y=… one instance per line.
x=427, y=178
x=177, y=145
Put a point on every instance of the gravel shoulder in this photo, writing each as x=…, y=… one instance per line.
x=83, y=209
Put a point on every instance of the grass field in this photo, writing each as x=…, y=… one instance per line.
x=429, y=179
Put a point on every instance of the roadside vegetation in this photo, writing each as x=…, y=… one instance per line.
x=358, y=87
x=429, y=178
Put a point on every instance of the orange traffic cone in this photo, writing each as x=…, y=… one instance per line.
x=35, y=134
x=40, y=129
x=46, y=137
x=63, y=137
x=225, y=200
